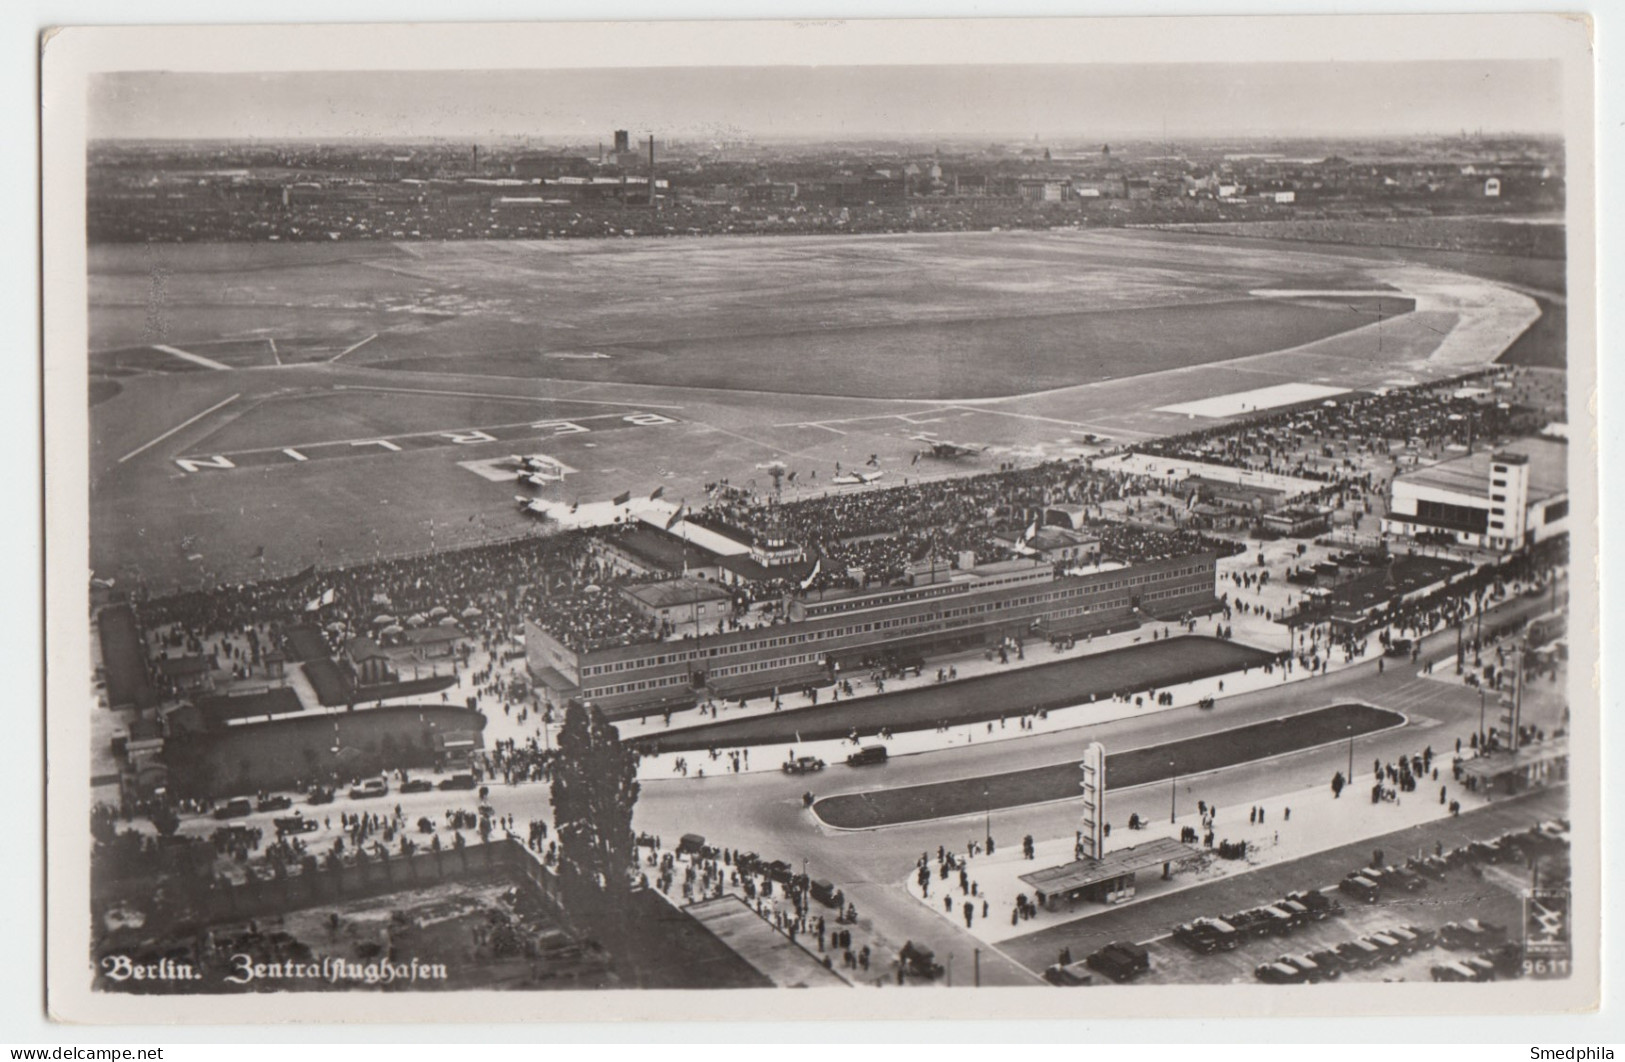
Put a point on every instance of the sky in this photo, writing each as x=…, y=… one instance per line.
x=1051, y=102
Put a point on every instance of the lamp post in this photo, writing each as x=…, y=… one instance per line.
x=1350, y=728
x=1173, y=793
x=987, y=822
x=1481, y=718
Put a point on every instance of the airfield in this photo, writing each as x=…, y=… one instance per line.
x=334, y=403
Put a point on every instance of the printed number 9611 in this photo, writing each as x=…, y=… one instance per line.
x=1546, y=967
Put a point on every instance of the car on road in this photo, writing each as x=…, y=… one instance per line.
x=321, y=795
x=274, y=803
x=803, y=765
x=1471, y=933
x=1485, y=968
x=372, y=787
x=866, y=756
x=295, y=824
x=1280, y=973
x=417, y=785
x=458, y=781
x=1398, y=647
x=234, y=809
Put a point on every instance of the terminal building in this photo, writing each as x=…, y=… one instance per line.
x=965, y=608
x=1501, y=500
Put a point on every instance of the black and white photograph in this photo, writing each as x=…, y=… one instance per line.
x=610, y=519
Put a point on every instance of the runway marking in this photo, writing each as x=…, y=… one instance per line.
x=487, y=394
x=1096, y=428
x=274, y=355
x=746, y=438
x=183, y=424
x=352, y=347
x=826, y=427
x=827, y=421
x=196, y=359
x=518, y=434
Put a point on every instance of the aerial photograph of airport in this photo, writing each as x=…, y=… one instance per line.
x=703, y=534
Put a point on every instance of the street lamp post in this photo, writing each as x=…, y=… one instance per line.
x=1481, y=718
x=987, y=822
x=1350, y=728
x=1173, y=793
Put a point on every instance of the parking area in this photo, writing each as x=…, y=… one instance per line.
x=1491, y=893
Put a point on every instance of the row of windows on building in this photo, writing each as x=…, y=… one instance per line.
x=865, y=628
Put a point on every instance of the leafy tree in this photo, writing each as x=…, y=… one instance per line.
x=595, y=786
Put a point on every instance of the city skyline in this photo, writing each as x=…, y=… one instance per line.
x=1144, y=101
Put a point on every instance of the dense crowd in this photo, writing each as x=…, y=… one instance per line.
x=1319, y=442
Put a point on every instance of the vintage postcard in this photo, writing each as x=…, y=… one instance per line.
x=1069, y=518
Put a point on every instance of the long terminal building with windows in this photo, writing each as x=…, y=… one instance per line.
x=949, y=611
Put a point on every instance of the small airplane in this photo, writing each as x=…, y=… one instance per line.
x=946, y=450
x=846, y=479
x=533, y=462
x=541, y=478
x=531, y=505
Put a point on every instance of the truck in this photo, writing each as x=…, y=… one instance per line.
x=1319, y=905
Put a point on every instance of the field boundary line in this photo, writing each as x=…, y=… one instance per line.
x=490, y=394
x=183, y=424
x=195, y=359
x=352, y=347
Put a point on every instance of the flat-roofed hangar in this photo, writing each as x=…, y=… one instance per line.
x=1501, y=500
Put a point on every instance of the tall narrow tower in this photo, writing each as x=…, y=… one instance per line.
x=1092, y=834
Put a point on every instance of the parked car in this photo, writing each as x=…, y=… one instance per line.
x=1361, y=888
x=321, y=795
x=234, y=809
x=372, y=787
x=1311, y=970
x=803, y=765
x=295, y=824
x=1455, y=971
x=1321, y=906
x=1359, y=954
x=866, y=756
x=458, y=781
x=1279, y=973
x=1329, y=961
x=417, y=785
x=1120, y=960
x=1071, y=975
x=274, y=803
x=1208, y=935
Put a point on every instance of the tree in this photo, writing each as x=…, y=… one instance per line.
x=595, y=786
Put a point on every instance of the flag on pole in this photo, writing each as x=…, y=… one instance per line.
x=676, y=517
x=313, y=604
x=623, y=498
x=1032, y=529
x=328, y=595
x=817, y=564
x=658, y=491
